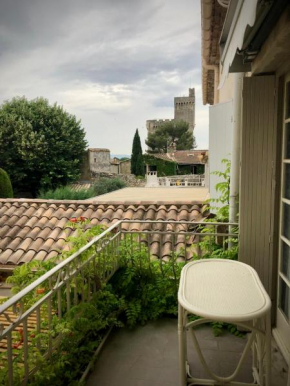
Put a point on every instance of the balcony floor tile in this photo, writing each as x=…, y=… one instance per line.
x=148, y=356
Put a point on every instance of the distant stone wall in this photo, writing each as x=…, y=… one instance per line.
x=99, y=160
x=153, y=124
x=96, y=160
x=125, y=167
x=114, y=168
x=129, y=179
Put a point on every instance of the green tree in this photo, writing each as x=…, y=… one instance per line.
x=5, y=185
x=137, y=161
x=140, y=165
x=171, y=132
x=41, y=145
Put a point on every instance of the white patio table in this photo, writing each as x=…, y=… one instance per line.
x=226, y=291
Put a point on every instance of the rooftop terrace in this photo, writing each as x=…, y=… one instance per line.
x=164, y=196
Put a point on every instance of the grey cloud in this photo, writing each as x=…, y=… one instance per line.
x=124, y=67
x=61, y=49
x=27, y=24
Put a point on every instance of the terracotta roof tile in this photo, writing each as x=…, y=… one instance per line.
x=4, y=242
x=15, y=258
x=37, y=229
x=5, y=255
x=4, y=230
x=4, y=219
x=185, y=157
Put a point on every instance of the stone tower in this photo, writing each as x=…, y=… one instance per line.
x=184, y=109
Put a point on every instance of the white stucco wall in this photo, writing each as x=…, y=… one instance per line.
x=220, y=139
x=226, y=93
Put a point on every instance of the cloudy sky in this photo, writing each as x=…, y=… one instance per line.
x=112, y=63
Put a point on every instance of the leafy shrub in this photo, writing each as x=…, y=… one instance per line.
x=105, y=185
x=223, y=187
x=149, y=287
x=67, y=193
x=42, y=145
x=6, y=190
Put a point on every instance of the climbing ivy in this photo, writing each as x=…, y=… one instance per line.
x=164, y=168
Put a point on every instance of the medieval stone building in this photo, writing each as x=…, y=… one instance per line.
x=184, y=110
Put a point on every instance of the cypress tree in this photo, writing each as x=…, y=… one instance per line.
x=137, y=161
x=140, y=165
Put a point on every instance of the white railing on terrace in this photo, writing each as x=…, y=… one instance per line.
x=75, y=279
x=186, y=180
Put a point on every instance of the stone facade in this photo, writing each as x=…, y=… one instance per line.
x=125, y=167
x=99, y=161
x=129, y=179
x=184, y=110
x=95, y=160
x=153, y=124
x=120, y=167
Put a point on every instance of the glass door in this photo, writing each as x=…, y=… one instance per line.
x=283, y=312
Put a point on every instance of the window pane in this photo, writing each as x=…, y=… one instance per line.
x=287, y=141
x=287, y=109
x=285, y=261
x=284, y=298
x=287, y=181
x=286, y=221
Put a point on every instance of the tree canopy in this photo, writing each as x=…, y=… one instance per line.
x=42, y=146
x=168, y=133
x=137, y=161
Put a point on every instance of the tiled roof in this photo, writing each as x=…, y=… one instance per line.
x=81, y=186
x=37, y=229
x=185, y=157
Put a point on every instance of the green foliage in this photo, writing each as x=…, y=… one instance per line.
x=164, y=168
x=137, y=162
x=6, y=190
x=41, y=145
x=81, y=330
x=171, y=132
x=217, y=247
x=184, y=170
x=105, y=185
x=67, y=193
x=223, y=187
x=149, y=287
x=140, y=167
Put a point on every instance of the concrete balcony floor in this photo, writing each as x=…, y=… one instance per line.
x=148, y=356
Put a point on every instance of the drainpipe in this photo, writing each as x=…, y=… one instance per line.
x=235, y=148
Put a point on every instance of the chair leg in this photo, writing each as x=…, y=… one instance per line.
x=182, y=346
x=268, y=350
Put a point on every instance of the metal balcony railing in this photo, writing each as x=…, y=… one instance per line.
x=30, y=312
x=186, y=180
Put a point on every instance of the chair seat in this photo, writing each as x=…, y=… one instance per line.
x=222, y=290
